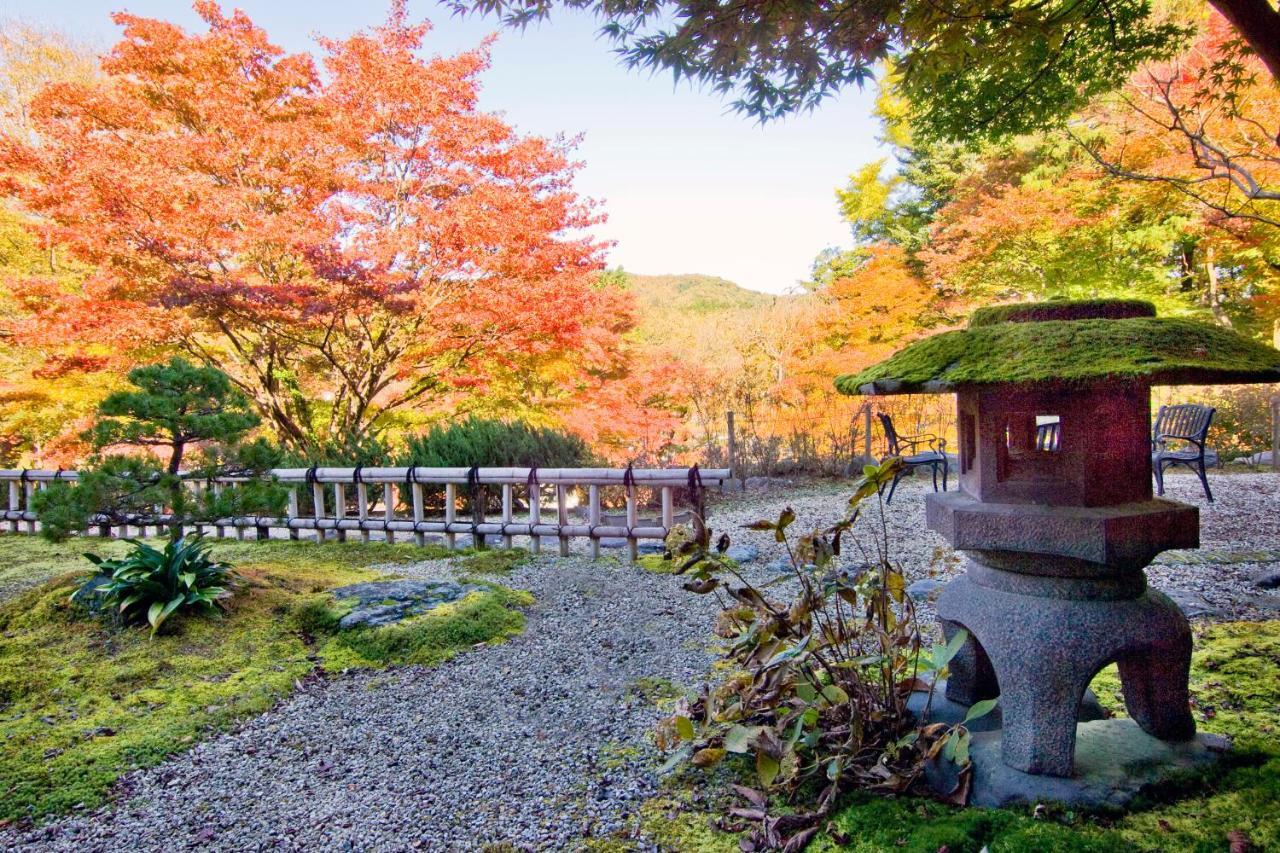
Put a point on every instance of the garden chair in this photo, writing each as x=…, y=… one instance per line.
x=1178, y=439
x=907, y=448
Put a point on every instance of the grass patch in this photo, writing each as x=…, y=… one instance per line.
x=82, y=701
x=659, y=692
x=493, y=561
x=1235, y=680
x=656, y=563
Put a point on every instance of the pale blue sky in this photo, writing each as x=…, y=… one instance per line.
x=688, y=186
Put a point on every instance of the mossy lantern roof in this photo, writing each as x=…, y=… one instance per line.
x=1069, y=343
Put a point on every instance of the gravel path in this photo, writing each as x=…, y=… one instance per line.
x=544, y=740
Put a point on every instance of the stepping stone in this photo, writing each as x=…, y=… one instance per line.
x=742, y=553
x=1192, y=604
x=1268, y=580
x=385, y=602
x=925, y=588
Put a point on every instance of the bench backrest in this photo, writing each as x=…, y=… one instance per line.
x=1047, y=435
x=1187, y=421
x=890, y=434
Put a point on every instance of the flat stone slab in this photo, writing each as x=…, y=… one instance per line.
x=943, y=710
x=1115, y=761
x=385, y=602
x=1126, y=535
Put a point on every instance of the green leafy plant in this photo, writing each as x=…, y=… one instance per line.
x=150, y=585
x=818, y=690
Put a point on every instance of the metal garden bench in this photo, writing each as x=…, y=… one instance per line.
x=1047, y=435
x=906, y=447
x=1178, y=438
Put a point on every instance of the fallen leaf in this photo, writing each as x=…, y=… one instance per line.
x=1239, y=841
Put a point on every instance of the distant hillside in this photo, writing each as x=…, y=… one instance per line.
x=671, y=305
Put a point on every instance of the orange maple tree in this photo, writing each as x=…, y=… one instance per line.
x=348, y=241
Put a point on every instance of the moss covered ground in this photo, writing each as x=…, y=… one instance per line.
x=82, y=700
x=1236, y=682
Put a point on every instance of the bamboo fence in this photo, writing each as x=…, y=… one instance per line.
x=537, y=505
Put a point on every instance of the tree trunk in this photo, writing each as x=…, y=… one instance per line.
x=1215, y=298
x=175, y=499
x=1258, y=22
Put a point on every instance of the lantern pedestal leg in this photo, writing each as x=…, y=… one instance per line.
x=1044, y=649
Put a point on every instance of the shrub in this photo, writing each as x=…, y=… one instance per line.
x=818, y=688
x=346, y=452
x=492, y=443
x=151, y=585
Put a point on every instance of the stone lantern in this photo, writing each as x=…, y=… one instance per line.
x=1055, y=509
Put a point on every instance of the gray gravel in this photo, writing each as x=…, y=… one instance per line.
x=544, y=740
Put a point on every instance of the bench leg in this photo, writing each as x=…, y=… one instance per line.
x=1204, y=480
x=894, y=487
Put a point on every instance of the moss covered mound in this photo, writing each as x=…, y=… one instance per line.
x=83, y=701
x=1076, y=309
x=1158, y=350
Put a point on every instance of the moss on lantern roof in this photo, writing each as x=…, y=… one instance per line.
x=1024, y=350
x=1061, y=309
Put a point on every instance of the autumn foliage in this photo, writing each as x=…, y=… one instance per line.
x=353, y=241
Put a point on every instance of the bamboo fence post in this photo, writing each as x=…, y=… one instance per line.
x=535, y=517
x=633, y=545
x=562, y=516
x=339, y=510
x=15, y=505
x=668, y=508
x=293, y=512
x=29, y=492
x=362, y=508
x=866, y=434
x=1275, y=426
x=593, y=518
x=317, y=498
x=389, y=511
x=450, y=515
x=418, y=536
x=506, y=513
x=218, y=530
x=733, y=445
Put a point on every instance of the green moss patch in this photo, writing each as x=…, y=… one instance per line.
x=82, y=701
x=1236, y=684
x=495, y=561
x=1159, y=350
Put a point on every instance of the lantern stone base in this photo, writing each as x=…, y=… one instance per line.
x=1038, y=641
x=950, y=713
x=1114, y=761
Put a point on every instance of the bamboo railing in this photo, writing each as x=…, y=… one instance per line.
x=380, y=493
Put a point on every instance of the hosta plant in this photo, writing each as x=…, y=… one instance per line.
x=149, y=585
x=818, y=685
